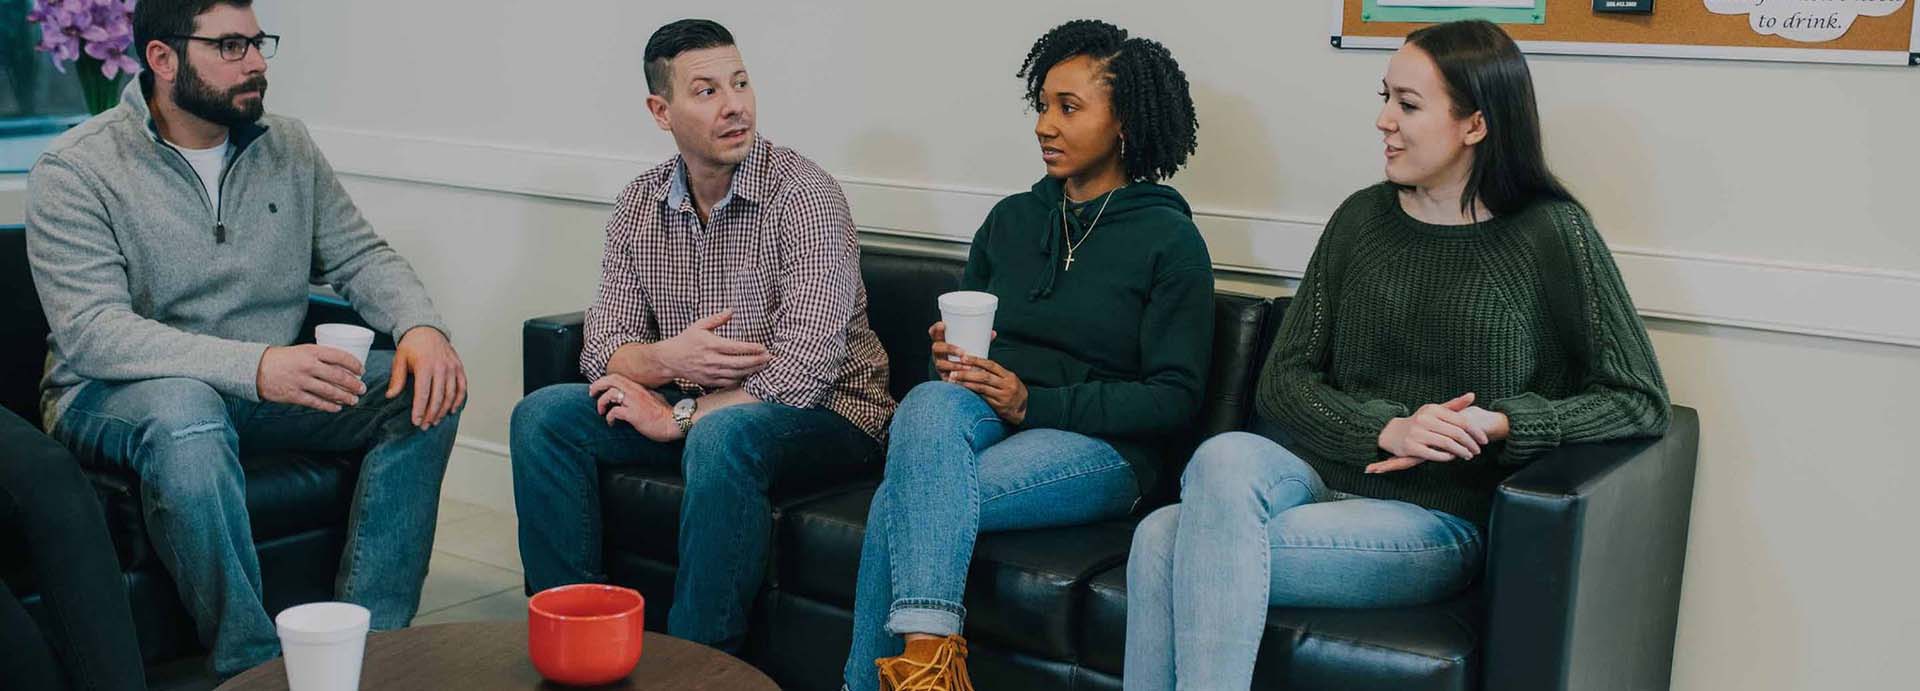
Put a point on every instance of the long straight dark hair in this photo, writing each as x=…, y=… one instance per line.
x=1486, y=73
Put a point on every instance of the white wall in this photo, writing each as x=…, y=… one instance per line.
x=484, y=139
x=1686, y=155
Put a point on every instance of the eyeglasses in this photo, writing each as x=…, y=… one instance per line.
x=234, y=48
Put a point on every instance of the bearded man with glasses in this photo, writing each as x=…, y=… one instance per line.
x=173, y=240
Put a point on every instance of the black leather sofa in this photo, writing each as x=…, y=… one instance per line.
x=1581, y=590
x=298, y=501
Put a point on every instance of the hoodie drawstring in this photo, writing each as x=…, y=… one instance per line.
x=1049, y=246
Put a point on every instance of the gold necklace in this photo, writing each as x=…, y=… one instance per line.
x=1068, y=234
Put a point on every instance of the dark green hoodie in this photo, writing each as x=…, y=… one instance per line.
x=1117, y=347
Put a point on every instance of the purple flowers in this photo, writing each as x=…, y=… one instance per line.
x=101, y=29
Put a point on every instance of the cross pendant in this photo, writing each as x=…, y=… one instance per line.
x=1069, y=262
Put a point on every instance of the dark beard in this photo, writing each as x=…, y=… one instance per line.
x=196, y=97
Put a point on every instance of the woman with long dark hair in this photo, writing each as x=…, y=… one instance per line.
x=1105, y=318
x=1455, y=322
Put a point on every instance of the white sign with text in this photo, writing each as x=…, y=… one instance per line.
x=1807, y=21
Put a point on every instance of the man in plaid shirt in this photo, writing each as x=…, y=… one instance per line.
x=729, y=337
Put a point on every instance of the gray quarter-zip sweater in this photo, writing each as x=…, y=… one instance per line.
x=141, y=278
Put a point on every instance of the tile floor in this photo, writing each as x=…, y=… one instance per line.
x=475, y=572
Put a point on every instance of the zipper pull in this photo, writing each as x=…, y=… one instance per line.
x=220, y=234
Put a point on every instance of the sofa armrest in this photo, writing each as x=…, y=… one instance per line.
x=1586, y=548
x=324, y=308
x=550, y=350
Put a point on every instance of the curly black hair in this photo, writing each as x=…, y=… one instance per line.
x=1149, y=92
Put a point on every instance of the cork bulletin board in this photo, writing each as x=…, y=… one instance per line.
x=1875, y=32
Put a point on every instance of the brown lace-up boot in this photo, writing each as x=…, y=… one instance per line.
x=933, y=664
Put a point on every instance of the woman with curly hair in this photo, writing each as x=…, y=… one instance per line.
x=1456, y=322
x=1103, y=330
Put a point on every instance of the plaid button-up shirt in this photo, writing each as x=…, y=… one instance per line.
x=780, y=251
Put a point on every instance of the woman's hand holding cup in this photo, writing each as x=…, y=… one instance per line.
x=947, y=357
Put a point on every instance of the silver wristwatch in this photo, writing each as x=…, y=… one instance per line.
x=683, y=413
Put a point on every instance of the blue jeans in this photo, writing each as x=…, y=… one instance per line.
x=955, y=470
x=730, y=460
x=184, y=441
x=1257, y=528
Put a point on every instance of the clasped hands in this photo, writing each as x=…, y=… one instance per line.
x=1456, y=430
x=698, y=354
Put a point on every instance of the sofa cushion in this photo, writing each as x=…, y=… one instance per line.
x=1022, y=591
x=996, y=666
x=903, y=294
x=800, y=642
x=819, y=546
x=1431, y=647
x=1103, y=621
x=1025, y=587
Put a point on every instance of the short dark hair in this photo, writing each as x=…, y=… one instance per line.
x=158, y=20
x=1150, y=94
x=673, y=39
x=1486, y=73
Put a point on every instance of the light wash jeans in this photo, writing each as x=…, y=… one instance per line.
x=184, y=441
x=955, y=470
x=1256, y=528
x=730, y=460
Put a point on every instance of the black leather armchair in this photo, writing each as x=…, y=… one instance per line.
x=1581, y=591
x=298, y=501
x=1583, y=580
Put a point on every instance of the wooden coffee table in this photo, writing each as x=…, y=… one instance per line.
x=493, y=655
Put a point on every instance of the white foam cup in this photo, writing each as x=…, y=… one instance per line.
x=324, y=643
x=356, y=340
x=969, y=318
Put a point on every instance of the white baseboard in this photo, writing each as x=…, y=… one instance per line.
x=479, y=473
x=1847, y=302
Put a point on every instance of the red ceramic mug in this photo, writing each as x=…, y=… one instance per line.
x=586, y=634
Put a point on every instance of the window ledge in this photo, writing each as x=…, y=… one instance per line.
x=13, y=198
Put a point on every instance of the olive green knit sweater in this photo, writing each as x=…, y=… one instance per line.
x=1526, y=310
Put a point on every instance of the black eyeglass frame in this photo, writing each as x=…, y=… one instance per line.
x=258, y=42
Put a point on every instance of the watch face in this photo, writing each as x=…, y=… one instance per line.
x=683, y=414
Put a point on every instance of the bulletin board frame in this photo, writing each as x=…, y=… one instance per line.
x=1676, y=29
